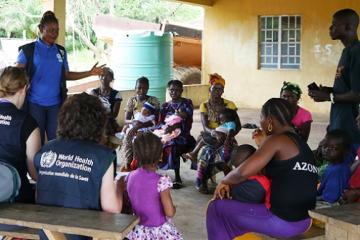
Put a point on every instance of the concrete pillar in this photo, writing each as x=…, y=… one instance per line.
x=59, y=8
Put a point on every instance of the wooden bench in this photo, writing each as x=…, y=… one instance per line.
x=23, y=232
x=341, y=222
x=314, y=233
x=56, y=222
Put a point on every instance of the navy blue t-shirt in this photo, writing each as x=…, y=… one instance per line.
x=15, y=128
x=347, y=78
x=70, y=174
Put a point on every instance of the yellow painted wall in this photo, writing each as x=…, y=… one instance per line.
x=198, y=93
x=230, y=47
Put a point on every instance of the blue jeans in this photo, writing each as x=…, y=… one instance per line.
x=46, y=118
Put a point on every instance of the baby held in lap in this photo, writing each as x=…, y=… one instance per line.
x=147, y=114
x=256, y=189
x=170, y=130
x=217, y=137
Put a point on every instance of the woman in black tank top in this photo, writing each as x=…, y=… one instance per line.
x=289, y=164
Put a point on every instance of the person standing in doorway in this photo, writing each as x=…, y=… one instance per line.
x=47, y=67
x=345, y=93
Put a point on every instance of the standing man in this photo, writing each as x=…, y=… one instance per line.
x=345, y=93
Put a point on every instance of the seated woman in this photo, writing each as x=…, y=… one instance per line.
x=289, y=164
x=20, y=135
x=75, y=171
x=110, y=98
x=210, y=119
x=218, y=136
x=302, y=119
x=134, y=105
x=173, y=149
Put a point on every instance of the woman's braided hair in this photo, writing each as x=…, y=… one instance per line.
x=279, y=109
x=48, y=17
x=147, y=148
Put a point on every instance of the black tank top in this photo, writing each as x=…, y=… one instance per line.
x=293, y=183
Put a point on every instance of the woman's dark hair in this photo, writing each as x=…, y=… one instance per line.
x=279, y=109
x=342, y=136
x=82, y=116
x=108, y=71
x=240, y=153
x=48, y=17
x=229, y=114
x=175, y=83
x=142, y=79
x=147, y=148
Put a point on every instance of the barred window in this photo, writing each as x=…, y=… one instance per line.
x=280, y=42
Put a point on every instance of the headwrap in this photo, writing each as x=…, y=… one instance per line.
x=149, y=107
x=292, y=87
x=216, y=79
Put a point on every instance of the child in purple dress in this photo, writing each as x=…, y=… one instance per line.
x=149, y=192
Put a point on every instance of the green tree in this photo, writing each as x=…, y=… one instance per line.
x=17, y=16
x=81, y=14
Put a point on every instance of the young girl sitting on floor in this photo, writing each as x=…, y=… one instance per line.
x=149, y=192
x=218, y=136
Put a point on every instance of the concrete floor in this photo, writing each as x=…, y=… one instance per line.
x=191, y=205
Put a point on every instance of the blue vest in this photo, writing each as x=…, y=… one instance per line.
x=70, y=173
x=12, y=148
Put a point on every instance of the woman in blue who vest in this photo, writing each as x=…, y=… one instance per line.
x=47, y=67
x=75, y=170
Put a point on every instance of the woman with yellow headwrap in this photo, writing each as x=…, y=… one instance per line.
x=210, y=110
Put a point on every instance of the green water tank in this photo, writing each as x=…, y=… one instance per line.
x=149, y=55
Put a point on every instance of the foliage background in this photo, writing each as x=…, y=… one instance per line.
x=19, y=18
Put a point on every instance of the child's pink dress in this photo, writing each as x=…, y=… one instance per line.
x=144, y=189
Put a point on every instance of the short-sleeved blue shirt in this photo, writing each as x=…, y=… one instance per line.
x=45, y=81
x=334, y=182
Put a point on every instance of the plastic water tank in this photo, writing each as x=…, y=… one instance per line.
x=149, y=55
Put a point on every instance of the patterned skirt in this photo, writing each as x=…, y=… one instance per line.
x=166, y=231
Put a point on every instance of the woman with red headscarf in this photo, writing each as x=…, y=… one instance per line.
x=210, y=110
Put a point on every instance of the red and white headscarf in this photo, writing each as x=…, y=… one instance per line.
x=216, y=78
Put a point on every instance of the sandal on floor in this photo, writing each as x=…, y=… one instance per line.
x=177, y=185
x=204, y=190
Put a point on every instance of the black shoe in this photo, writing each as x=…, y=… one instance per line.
x=177, y=185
